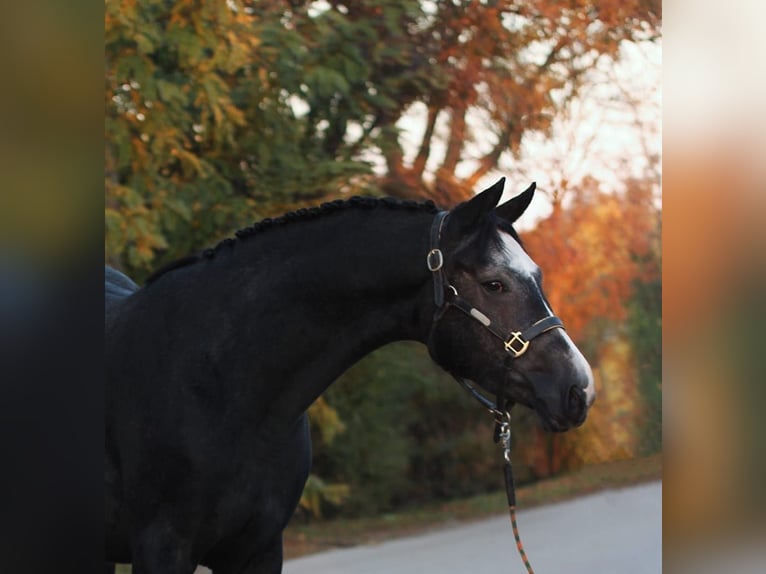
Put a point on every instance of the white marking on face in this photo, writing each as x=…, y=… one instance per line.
x=514, y=257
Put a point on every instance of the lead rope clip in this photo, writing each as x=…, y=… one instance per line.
x=504, y=435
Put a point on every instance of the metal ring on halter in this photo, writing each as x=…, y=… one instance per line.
x=435, y=260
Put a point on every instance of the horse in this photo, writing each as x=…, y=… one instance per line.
x=213, y=362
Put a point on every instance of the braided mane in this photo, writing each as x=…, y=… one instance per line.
x=304, y=214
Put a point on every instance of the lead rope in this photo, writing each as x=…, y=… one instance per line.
x=503, y=436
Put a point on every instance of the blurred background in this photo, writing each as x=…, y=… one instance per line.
x=714, y=281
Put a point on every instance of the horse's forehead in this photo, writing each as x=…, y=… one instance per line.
x=512, y=255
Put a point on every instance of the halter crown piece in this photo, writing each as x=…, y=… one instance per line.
x=515, y=344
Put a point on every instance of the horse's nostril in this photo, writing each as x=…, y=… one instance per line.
x=576, y=399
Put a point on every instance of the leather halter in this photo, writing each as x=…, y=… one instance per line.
x=515, y=343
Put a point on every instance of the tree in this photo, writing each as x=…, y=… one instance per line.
x=220, y=113
x=203, y=134
x=500, y=71
x=169, y=118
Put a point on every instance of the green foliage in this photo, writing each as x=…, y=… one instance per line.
x=412, y=434
x=645, y=330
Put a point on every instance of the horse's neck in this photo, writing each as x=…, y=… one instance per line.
x=314, y=297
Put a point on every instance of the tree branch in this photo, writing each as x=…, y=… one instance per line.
x=456, y=139
x=419, y=165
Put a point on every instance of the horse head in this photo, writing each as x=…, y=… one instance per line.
x=493, y=323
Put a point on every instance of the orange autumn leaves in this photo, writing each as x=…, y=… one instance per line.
x=593, y=250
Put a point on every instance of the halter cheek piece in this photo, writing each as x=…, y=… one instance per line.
x=515, y=343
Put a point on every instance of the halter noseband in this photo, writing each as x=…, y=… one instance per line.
x=515, y=343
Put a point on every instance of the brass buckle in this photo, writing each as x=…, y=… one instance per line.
x=516, y=338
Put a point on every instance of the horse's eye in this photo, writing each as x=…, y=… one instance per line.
x=494, y=286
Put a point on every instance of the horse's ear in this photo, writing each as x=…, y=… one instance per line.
x=468, y=214
x=512, y=209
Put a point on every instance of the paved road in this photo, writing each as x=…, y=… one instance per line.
x=615, y=531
